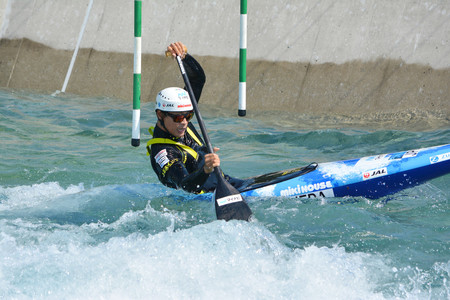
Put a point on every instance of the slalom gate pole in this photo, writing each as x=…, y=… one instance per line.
x=243, y=60
x=75, y=53
x=136, y=129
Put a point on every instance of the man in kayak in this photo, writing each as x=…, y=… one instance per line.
x=177, y=152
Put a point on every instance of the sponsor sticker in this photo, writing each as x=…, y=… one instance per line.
x=306, y=189
x=182, y=94
x=161, y=158
x=375, y=173
x=410, y=153
x=229, y=199
x=329, y=193
x=184, y=105
x=438, y=158
x=381, y=156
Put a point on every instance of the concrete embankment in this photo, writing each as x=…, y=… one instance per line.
x=372, y=60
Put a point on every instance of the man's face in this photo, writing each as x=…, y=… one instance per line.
x=177, y=122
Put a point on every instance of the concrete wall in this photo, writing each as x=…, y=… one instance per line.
x=333, y=57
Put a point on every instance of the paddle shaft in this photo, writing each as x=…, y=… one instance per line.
x=229, y=203
x=197, y=111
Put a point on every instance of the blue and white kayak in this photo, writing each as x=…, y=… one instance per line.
x=371, y=177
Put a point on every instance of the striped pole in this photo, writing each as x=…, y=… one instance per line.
x=243, y=60
x=136, y=129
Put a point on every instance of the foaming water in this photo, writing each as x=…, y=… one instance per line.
x=26, y=196
x=82, y=216
x=205, y=261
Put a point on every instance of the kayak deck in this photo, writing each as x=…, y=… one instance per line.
x=275, y=177
x=371, y=177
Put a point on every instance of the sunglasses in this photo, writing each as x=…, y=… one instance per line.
x=179, y=118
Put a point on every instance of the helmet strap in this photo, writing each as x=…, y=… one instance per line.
x=161, y=121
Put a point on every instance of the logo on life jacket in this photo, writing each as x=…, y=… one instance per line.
x=161, y=158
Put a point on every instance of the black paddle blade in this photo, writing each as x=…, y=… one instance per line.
x=230, y=204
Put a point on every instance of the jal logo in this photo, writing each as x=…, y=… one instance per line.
x=375, y=173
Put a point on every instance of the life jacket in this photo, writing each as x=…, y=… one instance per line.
x=183, y=148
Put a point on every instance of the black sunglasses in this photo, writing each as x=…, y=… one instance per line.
x=179, y=118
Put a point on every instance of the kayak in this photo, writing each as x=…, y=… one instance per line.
x=370, y=177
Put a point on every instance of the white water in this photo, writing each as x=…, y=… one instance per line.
x=42, y=259
x=82, y=215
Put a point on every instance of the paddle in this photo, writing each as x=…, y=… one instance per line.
x=229, y=203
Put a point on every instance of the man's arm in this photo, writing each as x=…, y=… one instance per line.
x=191, y=183
x=167, y=164
x=179, y=176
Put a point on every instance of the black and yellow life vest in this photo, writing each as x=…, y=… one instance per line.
x=182, y=147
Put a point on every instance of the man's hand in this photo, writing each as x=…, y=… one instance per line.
x=175, y=49
x=212, y=160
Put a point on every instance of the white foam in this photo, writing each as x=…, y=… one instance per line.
x=266, y=191
x=219, y=260
x=32, y=195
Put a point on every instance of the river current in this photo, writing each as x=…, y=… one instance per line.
x=83, y=216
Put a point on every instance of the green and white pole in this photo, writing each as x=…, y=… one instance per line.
x=136, y=129
x=243, y=60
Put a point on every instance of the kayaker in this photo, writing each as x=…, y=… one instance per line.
x=177, y=151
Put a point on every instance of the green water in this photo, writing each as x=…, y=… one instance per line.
x=82, y=214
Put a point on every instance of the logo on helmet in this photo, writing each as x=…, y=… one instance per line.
x=183, y=95
x=184, y=105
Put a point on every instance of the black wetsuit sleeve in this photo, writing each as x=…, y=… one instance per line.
x=196, y=75
x=191, y=183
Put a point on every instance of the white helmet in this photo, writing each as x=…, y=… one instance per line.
x=173, y=99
